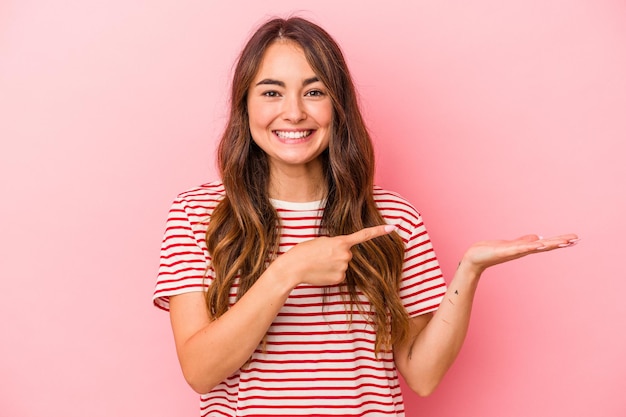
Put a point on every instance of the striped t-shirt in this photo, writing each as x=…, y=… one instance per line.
x=317, y=360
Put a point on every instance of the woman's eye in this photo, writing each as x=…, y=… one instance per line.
x=315, y=93
x=270, y=94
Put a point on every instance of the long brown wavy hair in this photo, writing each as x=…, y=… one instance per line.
x=244, y=229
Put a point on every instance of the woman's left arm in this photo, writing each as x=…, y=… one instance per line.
x=436, y=339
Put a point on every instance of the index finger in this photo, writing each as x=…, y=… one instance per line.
x=368, y=233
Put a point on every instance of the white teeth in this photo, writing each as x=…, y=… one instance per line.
x=293, y=135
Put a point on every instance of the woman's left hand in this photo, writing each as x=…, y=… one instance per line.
x=482, y=255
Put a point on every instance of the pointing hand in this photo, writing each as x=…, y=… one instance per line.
x=324, y=260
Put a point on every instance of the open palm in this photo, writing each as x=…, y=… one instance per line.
x=482, y=255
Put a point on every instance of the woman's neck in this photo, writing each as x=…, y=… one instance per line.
x=297, y=186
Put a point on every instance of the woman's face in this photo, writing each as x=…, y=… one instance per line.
x=289, y=110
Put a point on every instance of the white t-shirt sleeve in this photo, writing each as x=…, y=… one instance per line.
x=422, y=287
x=184, y=258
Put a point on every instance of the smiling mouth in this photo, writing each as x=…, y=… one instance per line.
x=293, y=134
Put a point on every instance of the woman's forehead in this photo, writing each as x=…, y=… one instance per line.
x=284, y=59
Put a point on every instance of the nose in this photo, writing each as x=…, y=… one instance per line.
x=293, y=109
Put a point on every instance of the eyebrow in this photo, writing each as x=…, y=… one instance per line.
x=269, y=81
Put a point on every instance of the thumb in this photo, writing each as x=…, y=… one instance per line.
x=530, y=238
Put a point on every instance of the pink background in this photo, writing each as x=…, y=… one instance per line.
x=495, y=118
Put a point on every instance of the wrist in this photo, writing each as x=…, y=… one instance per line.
x=469, y=271
x=275, y=276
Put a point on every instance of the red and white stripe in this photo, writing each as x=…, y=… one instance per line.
x=316, y=360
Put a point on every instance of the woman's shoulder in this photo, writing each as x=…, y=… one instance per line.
x=209, y=192
x=387, y=197
x=392, y=206
x=200, y=201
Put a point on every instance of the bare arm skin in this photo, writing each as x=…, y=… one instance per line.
x=210, y=351
x=436, y=340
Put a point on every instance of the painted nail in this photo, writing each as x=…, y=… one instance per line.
x=574, y=240
x=390, y=228
x=564, y=245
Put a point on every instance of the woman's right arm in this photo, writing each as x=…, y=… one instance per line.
x=209, y=351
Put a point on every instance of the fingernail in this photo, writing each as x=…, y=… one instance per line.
x=541, y=248
x=564, y=245
x=390, y=228
x=574, y=240
x=540, y=237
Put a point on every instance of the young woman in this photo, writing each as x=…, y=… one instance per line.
x=295, y=286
